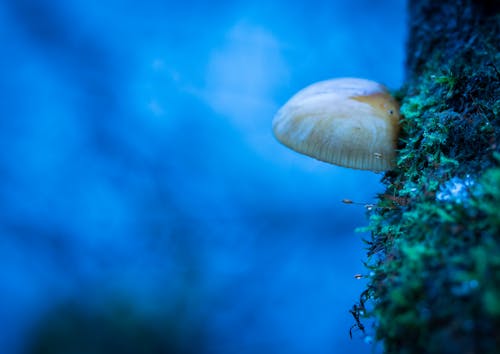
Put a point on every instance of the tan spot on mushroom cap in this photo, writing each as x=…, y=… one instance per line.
x=347, y=122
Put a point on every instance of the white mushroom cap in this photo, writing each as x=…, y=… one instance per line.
x=347, y=122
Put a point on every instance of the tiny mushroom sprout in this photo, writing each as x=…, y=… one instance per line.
x=347, y=122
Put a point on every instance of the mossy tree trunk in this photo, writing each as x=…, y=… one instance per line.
x=434, y=256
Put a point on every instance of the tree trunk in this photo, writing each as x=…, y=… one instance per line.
x=434, y=256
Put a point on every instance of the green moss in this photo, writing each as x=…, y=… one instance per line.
x=436, y=268
x=434, y=255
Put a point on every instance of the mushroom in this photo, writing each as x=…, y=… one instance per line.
x=347, y=122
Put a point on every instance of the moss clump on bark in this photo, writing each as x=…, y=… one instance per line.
x=434, y=256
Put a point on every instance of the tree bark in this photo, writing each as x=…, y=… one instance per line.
x=434, y=255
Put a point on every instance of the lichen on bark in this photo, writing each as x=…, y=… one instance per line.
x=434, y=254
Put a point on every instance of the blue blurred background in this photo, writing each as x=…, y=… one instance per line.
x=139, y=175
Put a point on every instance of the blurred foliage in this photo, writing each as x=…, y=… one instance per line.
x=77, y=328
x=434, y=256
